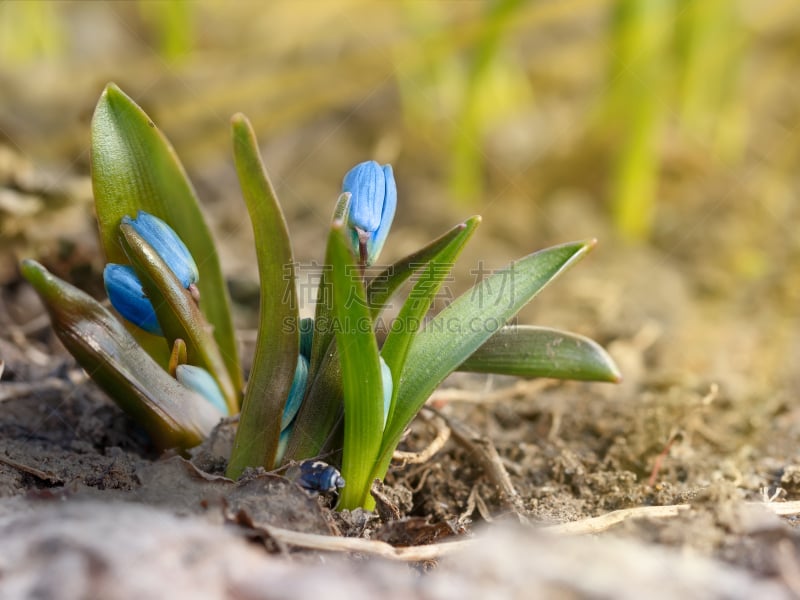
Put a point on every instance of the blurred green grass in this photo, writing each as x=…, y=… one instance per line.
x=666, y=128
x=631, y=101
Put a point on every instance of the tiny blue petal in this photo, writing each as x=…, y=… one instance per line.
x=128, y=298
x=306, y=336
x=386, y=378
x=296, y=393
x=167, y=244
x=373, y=200
x=201, y=381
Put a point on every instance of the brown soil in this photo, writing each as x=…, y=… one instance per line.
x=697, y=420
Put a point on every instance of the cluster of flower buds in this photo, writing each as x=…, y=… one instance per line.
x=171, y=362
x=127, y=295
x=123, y=287
x=373, y=199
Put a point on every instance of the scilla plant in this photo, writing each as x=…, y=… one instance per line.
x=318, y=387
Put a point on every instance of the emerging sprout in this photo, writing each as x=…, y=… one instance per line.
x=330, y=389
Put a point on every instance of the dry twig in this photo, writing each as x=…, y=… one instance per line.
x=372, y=547
x=605, y=522
x=434, y=551
x=417, y=458
x=43, y=475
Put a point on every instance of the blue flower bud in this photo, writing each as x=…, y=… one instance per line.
x=128, y=298
x=201, y=381
x=167, y=244
x=373, y=200
x=386, y=378
x=296, y=392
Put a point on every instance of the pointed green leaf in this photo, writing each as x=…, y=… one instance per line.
x=321, y=411
x=135, y=168
x=322, y=408
x=178, y=314
x=278, y=343
x=464, y=326
x=361, y=373
x=381, y=287
x=323, y=315
x=528, y=351
x=173, y=415
x=317, y=420
x=416, y=306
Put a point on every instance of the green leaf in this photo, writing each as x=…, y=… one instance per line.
x=361, y=373
x=323, y=315
x=321, y=412
x=398, y=341
x=463, y=327
x=278, y=343
x=528, y=351
x=322, y=407
x=135, y=168
x=173, y=415
x=178, y=314
x=381, y=287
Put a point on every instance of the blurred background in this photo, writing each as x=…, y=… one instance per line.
x=666, y=128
